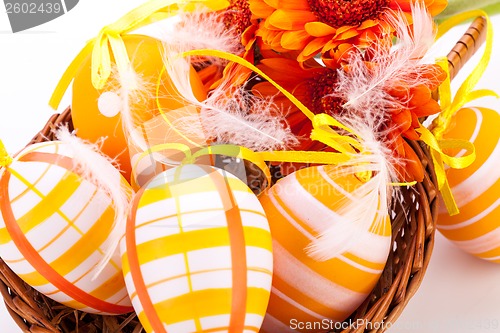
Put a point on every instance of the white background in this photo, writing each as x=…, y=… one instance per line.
x=459, y=293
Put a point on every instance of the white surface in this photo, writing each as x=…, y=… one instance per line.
x=459, y=293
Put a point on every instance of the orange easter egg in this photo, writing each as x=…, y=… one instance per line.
x=96, y=113
x=476, y=229
x=299, y=207
x=55, y=225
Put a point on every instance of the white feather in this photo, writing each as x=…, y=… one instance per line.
x=134, y=92
x=229, y=114
x=365, y=88
x=99, y=170
x=368, y=205
x=239, y=118
x=203, y=30
x=368, y=108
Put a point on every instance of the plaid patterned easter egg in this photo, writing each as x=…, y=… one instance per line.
x=197, y=254
x=476, y=229
x=307, y=292
x=54, y=228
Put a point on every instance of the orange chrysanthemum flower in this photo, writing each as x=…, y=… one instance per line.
x=416, y=102
x=329, y=27
x=238, y=20
x=312, y=86
x=315, y=88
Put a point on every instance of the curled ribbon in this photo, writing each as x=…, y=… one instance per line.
x=449, y=106
x=5, y=159
x=190, y=157
x=323, y=124
x=109, y=41
x=325, y=129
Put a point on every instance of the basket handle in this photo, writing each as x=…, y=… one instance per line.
x=467, y=46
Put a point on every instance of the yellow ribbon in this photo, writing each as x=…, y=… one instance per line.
x=190, y=157
x=323, y=130
x=5, y=159
x=322, y=123
x=109, y=40
x=449, y=106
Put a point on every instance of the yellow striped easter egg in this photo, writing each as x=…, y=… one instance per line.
x=307, y=292
x=197, y=254
x=54, y=228
x=476, y=229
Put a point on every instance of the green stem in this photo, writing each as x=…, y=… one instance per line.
x=459, y=6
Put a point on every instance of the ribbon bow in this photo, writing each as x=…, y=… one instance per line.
x=109, y=41
x=450, y=106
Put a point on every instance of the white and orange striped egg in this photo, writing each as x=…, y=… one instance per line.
x=197, y=254
x=54, y=228
x=476, y=229
x=299, y=207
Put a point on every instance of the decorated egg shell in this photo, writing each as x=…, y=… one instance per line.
x=476, y=229
x=96, y=113
x=54, y=228
x=161, y=130
x=197, y=254
x=298, y=208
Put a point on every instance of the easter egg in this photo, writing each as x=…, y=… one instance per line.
x=161, y=130
x=54, y=228
x=96, y=113
x=197, y=254
x=476, y=229
x=299, y=207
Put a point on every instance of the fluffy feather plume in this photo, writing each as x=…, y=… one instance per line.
x=229, y=114
x=99, y=170
x=366, y=88
x=367, y=206
x=239, y=118
x=133, y=92
x=203, y=30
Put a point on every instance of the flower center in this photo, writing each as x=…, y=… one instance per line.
x=320, y=89
x=338, y=13
x=237, y=16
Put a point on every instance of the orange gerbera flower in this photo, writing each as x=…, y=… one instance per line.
x=329, y=27
x=238, y=20
x=312, y=86
x=315, y=88
x=416, y=102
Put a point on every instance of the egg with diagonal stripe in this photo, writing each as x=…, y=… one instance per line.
x=476, y=229
x=300, y=207
x=197, y=254
x=54, y=230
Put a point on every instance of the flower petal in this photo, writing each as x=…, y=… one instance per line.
x=319, y=29
x=368, y=24
x=260, y=9
x=295, y=40
x=273, y=3
x=312, y=48
x=294, y=4
x=402, y=120
x=290, y=19
x=427, y=109
x=419, y=95
x=348, y=34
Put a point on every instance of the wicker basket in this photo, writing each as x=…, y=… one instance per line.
x=413, y=225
